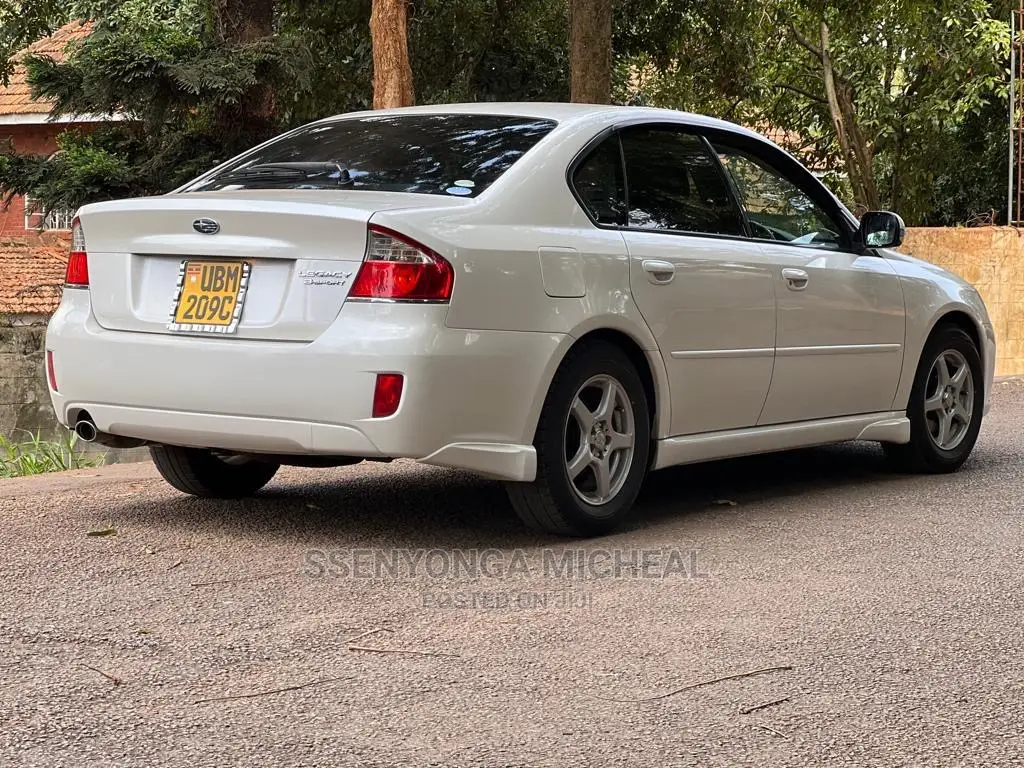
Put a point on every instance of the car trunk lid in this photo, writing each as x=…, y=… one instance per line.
x=287, y=257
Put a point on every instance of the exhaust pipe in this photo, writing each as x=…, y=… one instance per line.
x=87, y=432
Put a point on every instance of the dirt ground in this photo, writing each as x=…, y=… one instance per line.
x=226, y=633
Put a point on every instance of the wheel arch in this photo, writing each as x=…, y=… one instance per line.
x=645, y=357
x=962, y=320
x=922, y=453
x=955, y=315
x=983, y=342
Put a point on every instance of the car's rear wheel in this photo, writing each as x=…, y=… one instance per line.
x=204, y=473
x=593, y=443
x=945, y=407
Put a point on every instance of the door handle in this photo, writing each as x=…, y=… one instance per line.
x=796, y=279
x=659, y=272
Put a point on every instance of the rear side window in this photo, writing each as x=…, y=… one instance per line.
x=598, y=183
x=449, y=154
x=674, y=183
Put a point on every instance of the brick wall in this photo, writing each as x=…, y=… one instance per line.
x=992, y=260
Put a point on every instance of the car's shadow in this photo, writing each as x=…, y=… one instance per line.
x=409, y=505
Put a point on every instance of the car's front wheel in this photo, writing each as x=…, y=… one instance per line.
x=593, y=443
x=945, y=407
x=201, y=472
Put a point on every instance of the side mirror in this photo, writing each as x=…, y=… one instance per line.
x=882, y=229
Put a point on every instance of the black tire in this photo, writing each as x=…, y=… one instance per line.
x=551, y=504
x=200, y=472
x=922, y=454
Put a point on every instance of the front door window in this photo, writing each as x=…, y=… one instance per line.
x=777, y=209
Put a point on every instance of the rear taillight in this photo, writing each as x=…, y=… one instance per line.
x=400, y=269
x=387, y=394
x=77, y=275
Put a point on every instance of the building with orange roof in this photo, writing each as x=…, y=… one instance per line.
x=27, y=128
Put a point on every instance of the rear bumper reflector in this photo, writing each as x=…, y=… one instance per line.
x=387, y=394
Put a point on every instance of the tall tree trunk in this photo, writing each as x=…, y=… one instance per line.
x=392, y=73
x=242, y=21
x=236, y=23
x=856, y=151
x=590, y=51
x=862, y=150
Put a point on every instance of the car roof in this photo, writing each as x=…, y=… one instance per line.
x=561, y=112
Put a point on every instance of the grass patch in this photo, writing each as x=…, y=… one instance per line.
x=34, y=455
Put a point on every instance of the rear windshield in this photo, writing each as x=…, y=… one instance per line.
x=459, y=155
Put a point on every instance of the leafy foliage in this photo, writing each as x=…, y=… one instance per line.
x=696, y=55
x=970, y=187
x=189, y=94
x=926, y=78
x=505, y=50
x=35, y=456
x=23, y=22
x=920, y=71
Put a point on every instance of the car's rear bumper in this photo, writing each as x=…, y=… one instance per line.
x=470, y=398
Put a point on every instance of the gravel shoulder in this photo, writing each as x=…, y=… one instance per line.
x=895, y=600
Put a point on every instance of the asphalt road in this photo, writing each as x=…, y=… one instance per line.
x=895, y=600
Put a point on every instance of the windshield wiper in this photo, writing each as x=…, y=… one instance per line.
x=327, y=173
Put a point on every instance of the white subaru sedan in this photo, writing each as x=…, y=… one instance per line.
x=563, y=297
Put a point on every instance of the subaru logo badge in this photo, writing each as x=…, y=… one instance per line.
x=206, y=226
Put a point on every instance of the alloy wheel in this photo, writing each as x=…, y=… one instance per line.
x=599, y=440
x=949, y=400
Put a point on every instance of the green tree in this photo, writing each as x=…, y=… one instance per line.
x=22, y=23
x=195, y=81
x=884, y=86
x=202, y=80
x=876, y=92
x=697, y=55
x=898, y=101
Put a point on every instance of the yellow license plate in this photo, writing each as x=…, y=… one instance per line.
x=210, y=296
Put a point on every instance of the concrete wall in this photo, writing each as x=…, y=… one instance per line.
x=24, y=400
x=24, y=397
x=991, y=259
